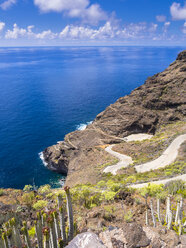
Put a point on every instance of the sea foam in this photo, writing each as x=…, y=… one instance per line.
x=83, y=126
x=79, y=127
x=41, y=155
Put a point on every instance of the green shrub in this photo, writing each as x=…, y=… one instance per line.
x=1, y=192
x=108, y=195
x=162, y=195
x=151, y=190
x=28, y=188
x=39, y=205
x=28, y=198
x=137, y=201
x=109, y=209
x=175, y=187
x=19, y=209
x=131, y=179
x=96, y=199
x=113, y=186
x=50, y=195
x=32, y=232
x=128, y=216
x=45, y=189
x=101, y=184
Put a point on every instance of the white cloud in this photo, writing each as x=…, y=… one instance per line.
x=184, y=28
x=46, y=35
x=75, y=32
x=2, y=25
x=178, y=12
x=166, y=26
x=76, y=9
x=28, y=33
x=60, y=5
x=161, y=18
x=107, y=31
x=15, y=33
x=153, y=27
x=7, y=4
x=92, y=14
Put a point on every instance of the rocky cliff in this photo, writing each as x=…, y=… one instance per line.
x=160, y=100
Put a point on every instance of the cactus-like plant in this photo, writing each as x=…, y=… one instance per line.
x=70, y=213
x=180, y=212
x=16, y=233
x=62, y=224
x=158, y=210
x=60, y=243
x=9, y=238
x=5, y=241
x=152, y=213
x=170, y=218
x=56, y=225
x=177, y=213
x=168, y=208
x=61, y=217
x=46, y=234
x=24, y=231
x=53, y=239
x=49, y=229
x=146, y=217
x=38, y=229
x=1, y=240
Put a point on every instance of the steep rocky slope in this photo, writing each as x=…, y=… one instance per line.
x=160, y=100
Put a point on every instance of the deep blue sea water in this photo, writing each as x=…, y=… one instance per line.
x=47, y=92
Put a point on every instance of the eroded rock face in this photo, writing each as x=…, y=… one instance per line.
x=160, y=100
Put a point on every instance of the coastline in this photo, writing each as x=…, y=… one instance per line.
x=138, y=112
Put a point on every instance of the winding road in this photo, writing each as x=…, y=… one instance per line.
x=167, y=157
x=164, y=181
x=124, y=161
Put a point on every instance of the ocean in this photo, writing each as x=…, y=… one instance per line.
x=47, y=92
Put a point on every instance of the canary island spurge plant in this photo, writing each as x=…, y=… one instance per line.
x=50, y=228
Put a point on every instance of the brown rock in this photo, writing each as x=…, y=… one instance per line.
x=161, y=239
x=130, y=236
x=135, y=236
x=86, y=240
x=113, y=238
x=156, y=241
x=183, y=239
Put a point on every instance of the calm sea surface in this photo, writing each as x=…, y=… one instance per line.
x=48, y=92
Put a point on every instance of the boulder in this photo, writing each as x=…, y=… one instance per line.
x=86, y=240
x=161, y=238
x=183, y=239
x=130, y=236
x=154, y=236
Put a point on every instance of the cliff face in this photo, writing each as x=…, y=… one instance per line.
x=160, y=100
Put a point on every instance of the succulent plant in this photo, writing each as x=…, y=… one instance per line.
x=70, y=214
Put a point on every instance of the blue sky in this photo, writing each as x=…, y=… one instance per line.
x=92, y=22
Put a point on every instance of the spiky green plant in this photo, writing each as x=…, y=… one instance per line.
x=46, y=234
x=38, y=229
x=70, y=214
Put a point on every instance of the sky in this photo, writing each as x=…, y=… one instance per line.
x=92, y=22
